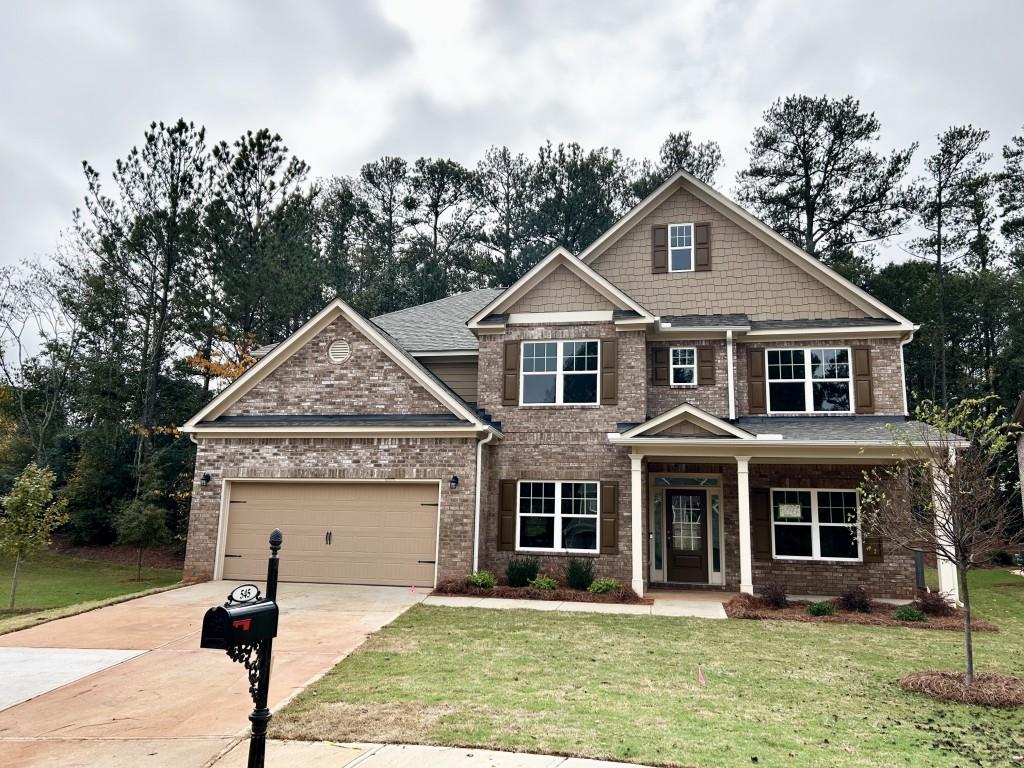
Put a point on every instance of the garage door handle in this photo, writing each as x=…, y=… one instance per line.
x=232, y=555
x=428, y=504
x=427, y=562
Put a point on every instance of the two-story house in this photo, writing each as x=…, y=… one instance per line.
x=690, y=401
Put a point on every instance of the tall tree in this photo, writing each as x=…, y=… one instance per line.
x=503, y=191
x=679, y=152
x=339, y=208
x=1011, y=195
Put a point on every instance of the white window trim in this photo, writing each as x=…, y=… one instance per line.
x=558, y=517
x=672, y=366
x=559, y=374
x=693, y=247
x=816, y=526
x=807, y=381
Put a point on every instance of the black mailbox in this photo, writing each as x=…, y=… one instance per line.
x=228, y=626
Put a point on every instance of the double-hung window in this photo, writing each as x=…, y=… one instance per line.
x=558, y=516
x=680, y=247
x=560, y=373
x=809, y=380
x=815, y=524
x=684, y=366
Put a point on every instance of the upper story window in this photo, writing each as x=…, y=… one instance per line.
x=815, y=524
x=809, y=380
x=684, y=366
x=680, y=247
x=560, y=373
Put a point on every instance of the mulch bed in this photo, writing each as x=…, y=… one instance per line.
x=562, y=594
x=988, y=689
x=881, y=615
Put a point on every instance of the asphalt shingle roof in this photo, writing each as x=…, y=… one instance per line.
x=706, y=321
x=837, y=322
x=871, y=428
x=438, y=325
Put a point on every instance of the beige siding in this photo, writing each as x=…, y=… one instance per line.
x=459, y=375
x=747, y=276
x=561, y=291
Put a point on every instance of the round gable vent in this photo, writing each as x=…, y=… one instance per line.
x=339, y=351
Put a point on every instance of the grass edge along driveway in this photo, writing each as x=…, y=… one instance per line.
x=625, y=688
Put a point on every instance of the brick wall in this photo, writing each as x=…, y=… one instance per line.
x=712, y=398
x=561, y=291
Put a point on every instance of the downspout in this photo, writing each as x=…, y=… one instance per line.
x=729, y=368
x=476, y=506
x=903, y=373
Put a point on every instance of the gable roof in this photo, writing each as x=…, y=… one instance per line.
x=438, y=326
x=691, y=413
x=558, y=257
x=741, y=217
x=283, y=351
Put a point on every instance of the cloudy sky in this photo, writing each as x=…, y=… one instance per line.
x=345, y=81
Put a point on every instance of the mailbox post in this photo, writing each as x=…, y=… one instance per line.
x=245, y=627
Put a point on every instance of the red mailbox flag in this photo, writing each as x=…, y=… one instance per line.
x=242, y=624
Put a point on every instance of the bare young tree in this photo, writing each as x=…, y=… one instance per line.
x=943, y=496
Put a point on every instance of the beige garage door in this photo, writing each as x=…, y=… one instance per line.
x=344, y=533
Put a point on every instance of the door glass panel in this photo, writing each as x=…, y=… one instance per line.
x=658, y=518
x=686, y=523
x=716, y=544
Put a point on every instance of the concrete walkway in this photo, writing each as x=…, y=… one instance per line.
x=702, y=605
x=328, y=755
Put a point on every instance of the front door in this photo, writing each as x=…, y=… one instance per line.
x=686, y=525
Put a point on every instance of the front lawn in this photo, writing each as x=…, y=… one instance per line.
x=50, y=581
x=625, y=688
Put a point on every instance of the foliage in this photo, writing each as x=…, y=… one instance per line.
x=855, y=599
x=482, y=579
x=521, y=570
x=545, y=583
x=774, y=594
x=141, y=524
x=910, y=613
x=579, y=572
x=601, y=586
x=822, y=608
x=934, y=604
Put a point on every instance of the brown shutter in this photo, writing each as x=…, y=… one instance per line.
x=705, y=365
x=660, y=367
x=761, y=523
x=510, y=377
x=873, y=549
x=659, y=248
x=862, y=391
x=609, y=372
x=755, y=381
x=609, y=518
x=702, y=247
x=507, y=516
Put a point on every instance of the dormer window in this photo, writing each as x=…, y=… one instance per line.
x=680, y=247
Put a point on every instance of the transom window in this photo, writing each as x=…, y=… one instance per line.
x=815, y=525
x=809, y=380
x=560, y=372
x=558, y=516
x=680, y=247
x=684, y=366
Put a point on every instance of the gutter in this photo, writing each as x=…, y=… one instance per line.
x=476, y=504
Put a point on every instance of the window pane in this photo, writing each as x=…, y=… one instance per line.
x=830, y=364
x=539, y=389
x=682, y=259
x=837, y=507
x=579, y=388
x=683, y=356
x=537, y=532
x=786, y=397
x=791, y=506
x=682, y=375
x=838, y=541
x=681, y=235
x=793, y=541
x=537, y=498
x=785, y=364
x=579, y=498
x=829, y=396
x=540, y=357
x=579, y=356
x=579, y=533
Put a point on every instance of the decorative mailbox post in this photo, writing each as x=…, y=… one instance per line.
x=245, y=626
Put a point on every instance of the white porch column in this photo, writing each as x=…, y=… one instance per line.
x=743, y=489
x=636, y=503
x=949, y=585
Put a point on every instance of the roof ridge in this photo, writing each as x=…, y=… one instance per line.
x=436, y=301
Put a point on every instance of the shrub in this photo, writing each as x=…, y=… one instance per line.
x=855, y=599
x=520, y=571
x=545, y=583
x=601, y=586
x=824, y=608
x=482, y=579
x=579, y=573
x=1002, y=558
x=909, y=613
x=774, y=595
x=933, y=604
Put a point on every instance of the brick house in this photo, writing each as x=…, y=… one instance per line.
x=691, y=400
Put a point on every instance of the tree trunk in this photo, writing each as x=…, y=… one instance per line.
x=965, y=594
x=14, y=581
x=138, y=569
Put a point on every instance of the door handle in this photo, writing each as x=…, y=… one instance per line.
x=327, y=538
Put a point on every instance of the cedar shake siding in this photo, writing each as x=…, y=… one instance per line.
x=561, y=291
x=746, y=275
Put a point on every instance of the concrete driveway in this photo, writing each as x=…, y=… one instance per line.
x=128, y=685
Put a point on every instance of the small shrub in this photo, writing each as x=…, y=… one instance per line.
x=601, y=586
x=1002, y=558
x=824, y=608
x=774, y=595
x=520, y=571
x=909, y=613
x=855, y=599
x=579, y=573
x=545, y=583
x=933, y=604
x=482, y=579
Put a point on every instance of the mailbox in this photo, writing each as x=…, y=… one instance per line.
x=228, y=626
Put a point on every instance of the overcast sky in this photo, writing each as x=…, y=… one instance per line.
x=345, y=81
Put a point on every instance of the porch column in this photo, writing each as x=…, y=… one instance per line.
x=949, y=585
x=743, y=491
x=636, y=501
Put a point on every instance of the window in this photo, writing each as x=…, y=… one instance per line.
x=680, y=247
x=809, y=380
x=684, y=366
x=557, y=516
x=815, y=524
x=560, y=372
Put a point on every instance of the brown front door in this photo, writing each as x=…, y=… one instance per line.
x=687, y=526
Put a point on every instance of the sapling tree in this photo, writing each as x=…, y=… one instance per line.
x=141, y=524
x=29, y=516
x=943, y=495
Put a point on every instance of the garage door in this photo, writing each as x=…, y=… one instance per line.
x=344, y=533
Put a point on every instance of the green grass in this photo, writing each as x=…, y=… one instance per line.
x=49, y=581
x=625, y=688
